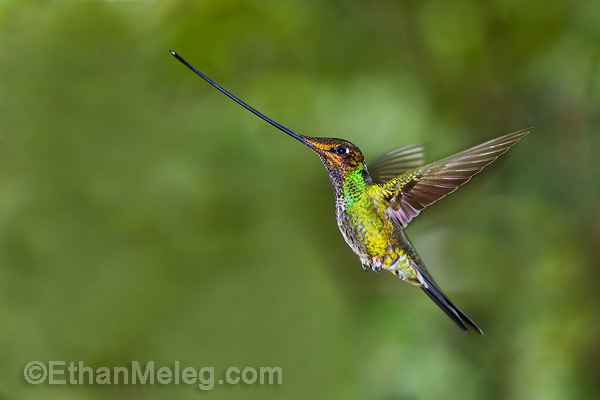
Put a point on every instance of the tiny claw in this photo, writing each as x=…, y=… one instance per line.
x=376, y=268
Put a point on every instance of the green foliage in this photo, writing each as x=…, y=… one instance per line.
x=143, y=216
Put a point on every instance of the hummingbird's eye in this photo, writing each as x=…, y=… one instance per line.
x=341, y=150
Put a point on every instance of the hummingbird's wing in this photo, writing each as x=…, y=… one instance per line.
x=415, y=190
x=396, y=162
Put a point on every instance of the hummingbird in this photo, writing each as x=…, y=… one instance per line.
x=374, y=205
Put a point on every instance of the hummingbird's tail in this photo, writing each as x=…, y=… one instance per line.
x=436, y=294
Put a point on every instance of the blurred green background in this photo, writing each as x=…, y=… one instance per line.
x=144, y=216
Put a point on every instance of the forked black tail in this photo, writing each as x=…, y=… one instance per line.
x=460, y=318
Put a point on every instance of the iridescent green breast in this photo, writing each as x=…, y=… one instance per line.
x=373, y=235
x=362, y=219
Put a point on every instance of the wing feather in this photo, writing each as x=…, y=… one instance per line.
x=417, y=189
x=396, y=162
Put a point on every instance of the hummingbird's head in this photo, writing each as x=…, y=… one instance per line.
x=339, y=156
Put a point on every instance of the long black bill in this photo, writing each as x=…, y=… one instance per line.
x=240, y=102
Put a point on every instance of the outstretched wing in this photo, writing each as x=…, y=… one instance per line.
x=413, y=191
x=396, y=162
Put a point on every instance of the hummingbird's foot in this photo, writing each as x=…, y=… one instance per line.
x=366, y=267
x=376, y=268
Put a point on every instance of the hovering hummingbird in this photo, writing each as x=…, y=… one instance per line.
x=373, y=206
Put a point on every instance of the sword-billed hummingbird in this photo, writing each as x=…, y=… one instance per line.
x=373, y=206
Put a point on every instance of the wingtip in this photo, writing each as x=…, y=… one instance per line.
x=523, y=132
